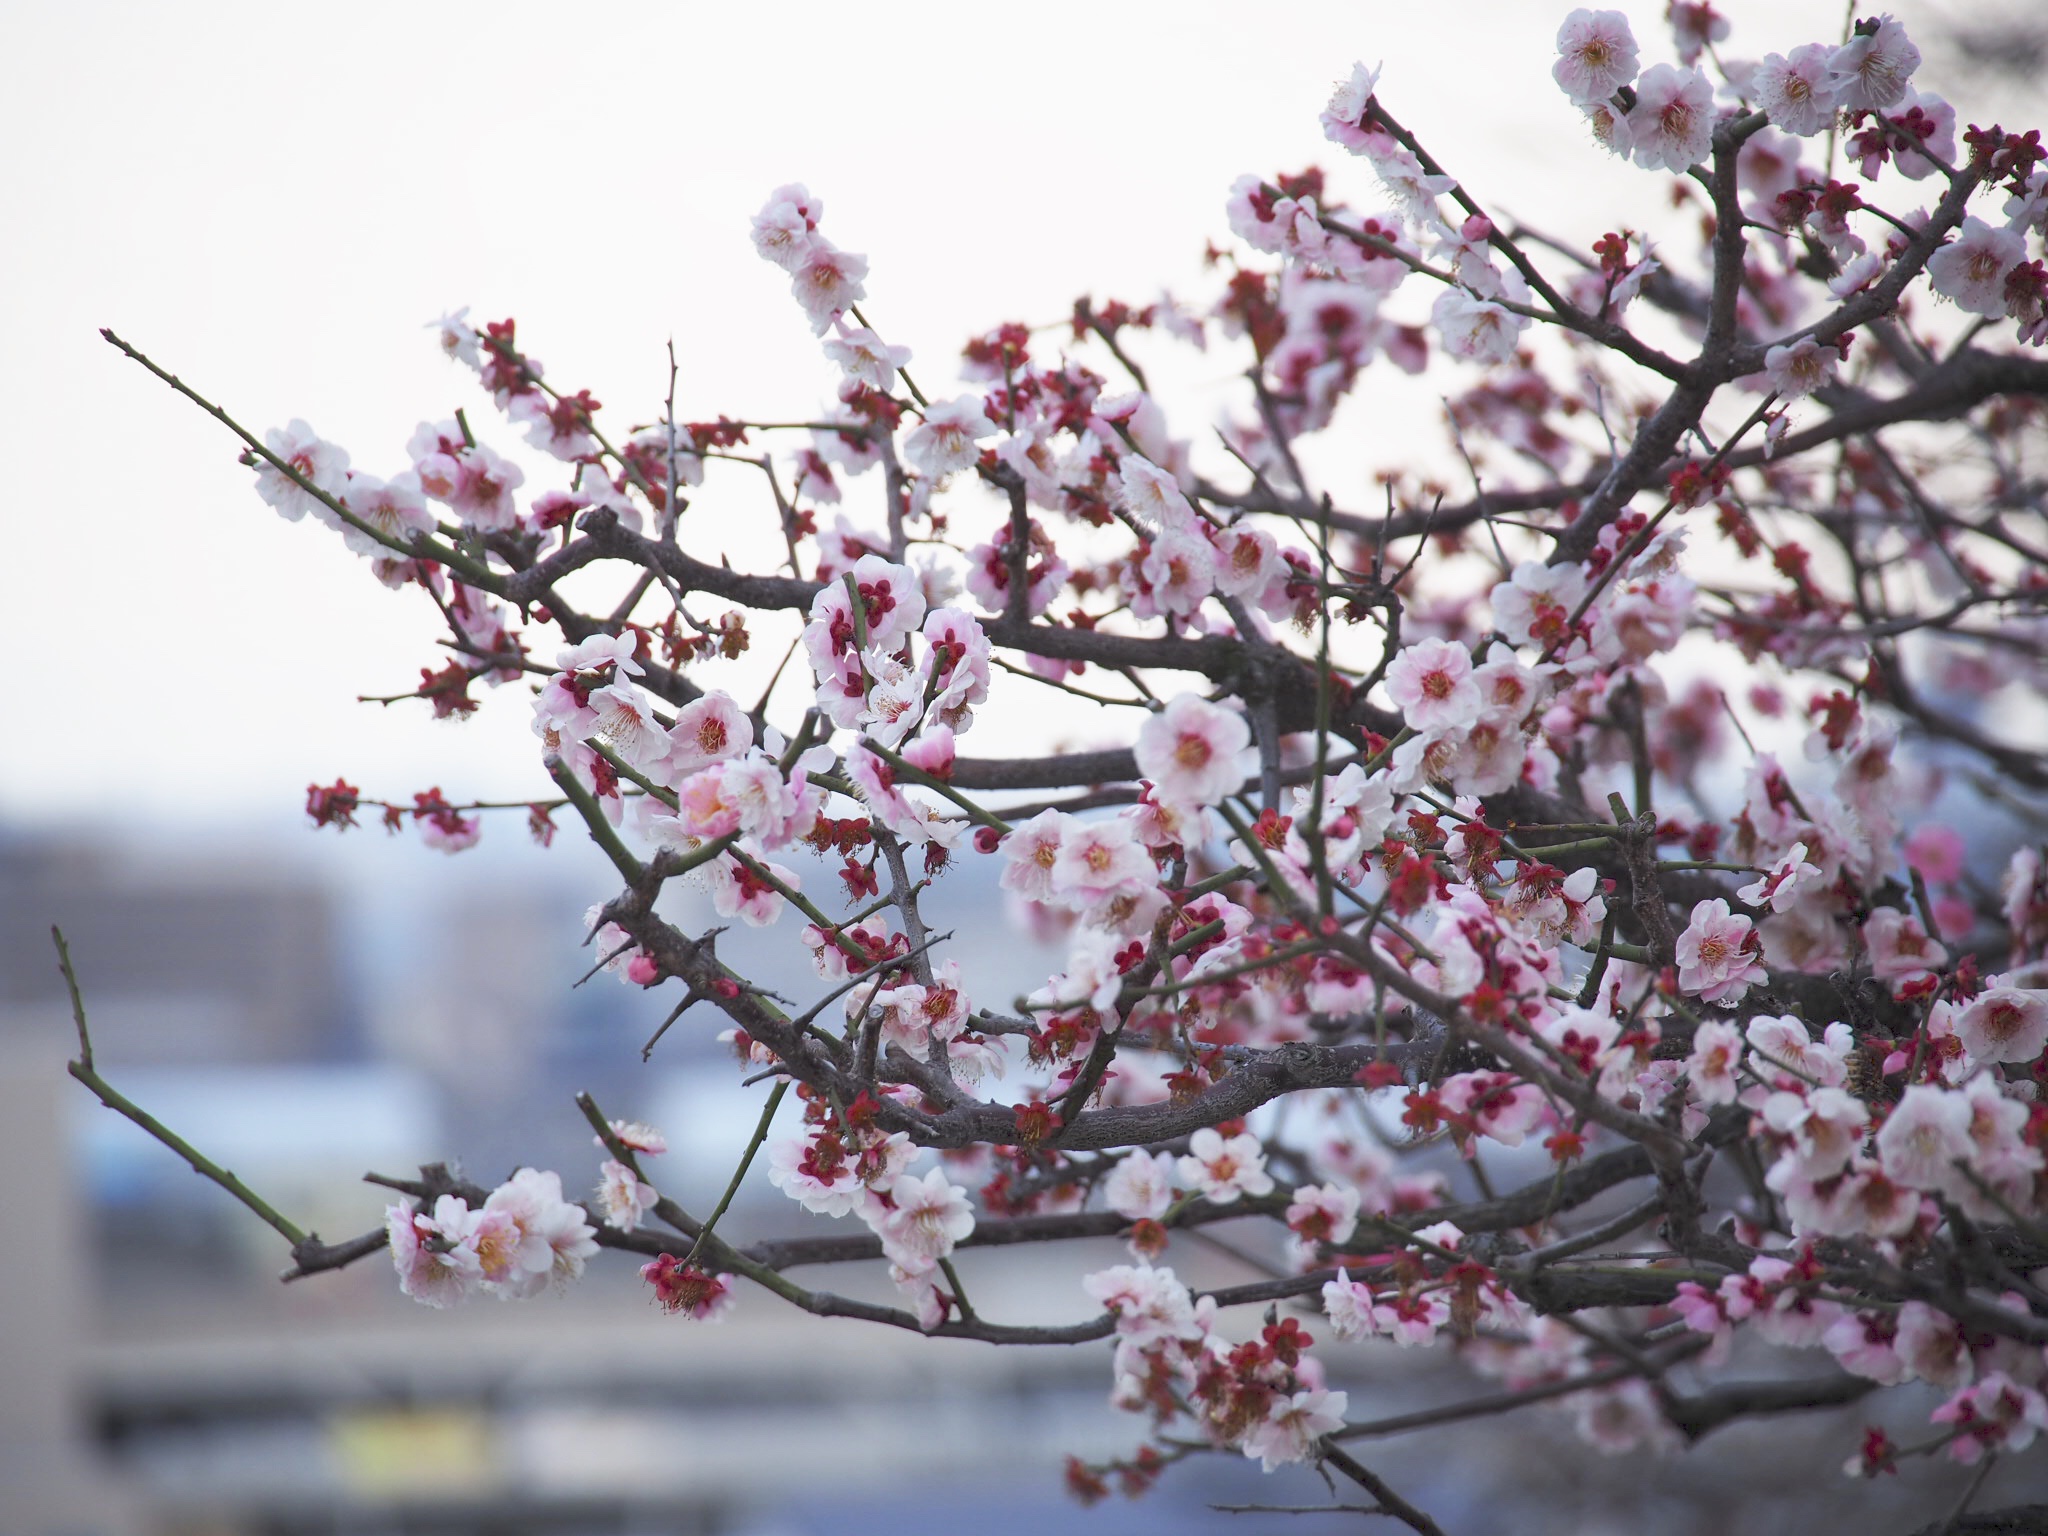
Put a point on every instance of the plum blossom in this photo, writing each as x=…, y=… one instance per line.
x=436, y=1256
x=1972, y=268
x=687, y=1291
x=866, y=358
x=2004, y=1024
x=1195, y=752
x=1718, y=954
x=1671, y=126
x=1716, y=1054
x=926, y=1218
x=313, y=459
x=1800, y=368
x=1872, y=68
x=785, y=224
x=1431, y=683
x=1926, y=1132
x=1140, y=1187
x=1596, y=55
x=947, y=438
x=1475, y=328
x=553, y=1239
x=1151, y=496
x=707, y=731
x=1293, y=1425
x=1780, y=888
x=827, y=282
x=1151, y=1306
x=1793, y=90
x=625, y=1196
x=1997, y=1414
x=1223, y=1169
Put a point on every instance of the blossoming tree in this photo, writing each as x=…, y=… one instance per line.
x=1457, y=826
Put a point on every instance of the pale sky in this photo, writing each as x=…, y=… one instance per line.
x=273, y=200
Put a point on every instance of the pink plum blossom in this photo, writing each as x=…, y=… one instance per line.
x=1972, y=268
x=1872, y=68
x=625, y=1196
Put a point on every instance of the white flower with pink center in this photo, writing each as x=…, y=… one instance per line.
x=1872, y=68
x=1925, y=1134
x=1293, y=1425
x=1224, y=1169
x=1971, y=269
x=1780, y=888
x=1152, y=497
x=1719, y=955
x=928, y=1217
x=1794, y=91
x=1716, y=1054
x=1151, y=1306
x=866, y=358
x=1671, y=126
x=1800, y=368
x=1596, y=55
x=1323, y=1213
x=784, y=226
x=1900, y=948
x=1480, y=330
x=1140, y=1187
x=394, y=508
x=1100, y=859
x=1179, y=567
x=1431, y=683
x=708, y=731
x=435, y=1255
x=554, y=1240
x=1195, y=752
x=624, y=1196
x=2005, y=1024
x=827, y=282
x=314, y=460
x=1997, y=1414
x=1030, y=853
x=948, y=437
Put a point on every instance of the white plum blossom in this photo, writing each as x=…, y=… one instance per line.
x=948, y=436
x=435, y=1255
x=1225, y=1168
x=1140, y=1187
x=1294, y=1424
x=1800, y=368
x=1150, y=495
x=1794, y=90
x=625, y=1197
x=2004, y=1024
x=926, y=1218
x=1971, y=269
x=1596, y=55
x=1195, y=752
x=827, y=282
x=1926, y=1133
x=313, y=459
x=1431, y=683
x=1480, y=330
x=1872, y=68
x=1671, y=126
x=866, y=358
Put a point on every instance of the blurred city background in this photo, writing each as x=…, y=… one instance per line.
x=274, y=199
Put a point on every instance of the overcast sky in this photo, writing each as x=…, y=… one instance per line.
x=273, y=200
